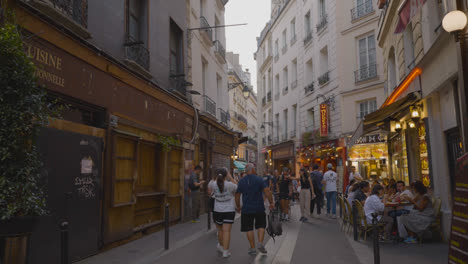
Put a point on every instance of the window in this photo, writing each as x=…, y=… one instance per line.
x=322, y=9
x=270, y=81
x=276, y=48
x=204, y=74
x=310, y=72
x=137, y=26
x=294, y=70
x=367, y=54
x=307, y=24
x=408, y=47
x=277, y=126
x=264, y=86
x=285, y=78
x=324, y=60
x=294, y=121
x=392, y=72
x=293, y=31
x=217, y=34
x=310, y=119
x=284, y=41
x=285, y=128
x=202, y=7
x=277, y=85
x=367, y=107
x=176, y=57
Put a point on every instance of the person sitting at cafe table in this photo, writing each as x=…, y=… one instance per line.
x=391, y=192
x=352, y=192
x=373, y=204
x=419, y=218
x=360, y=195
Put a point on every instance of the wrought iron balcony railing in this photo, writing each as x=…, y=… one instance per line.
x=136, y=51
x=323, y=23
x=324, y=78
x=309, y=88
x=292, y=134
x=206, y=27
x=362, y=10
x=264, y=101
x=77, y=10
x=269, y=96
x=308, y=38
x=241, y=118
x=365, y=73
x=223, y=116
x=210, y=106
x=219, y=48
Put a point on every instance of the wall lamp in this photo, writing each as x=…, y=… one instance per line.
x=454, y=22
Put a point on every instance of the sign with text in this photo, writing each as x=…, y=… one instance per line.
x=369, y=139
x=458, y=252
x=324, y=120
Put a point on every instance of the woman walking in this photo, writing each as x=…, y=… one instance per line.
x=307, y=189
x=223, y=191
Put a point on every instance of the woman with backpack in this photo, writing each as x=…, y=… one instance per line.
x=307, y=193
x=223, y=191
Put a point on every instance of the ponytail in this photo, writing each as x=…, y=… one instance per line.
x=222, y=173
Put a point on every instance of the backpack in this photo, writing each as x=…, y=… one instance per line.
x=274, y=226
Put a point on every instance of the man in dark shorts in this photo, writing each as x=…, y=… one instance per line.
x=252, y=188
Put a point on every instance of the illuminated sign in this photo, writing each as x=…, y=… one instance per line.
x=323, y=120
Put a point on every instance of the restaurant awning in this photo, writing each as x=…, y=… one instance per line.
x=393, y=111
x=240, y=165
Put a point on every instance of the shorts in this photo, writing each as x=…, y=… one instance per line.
x=284, y=196
x=247, y=221
x=221, y=218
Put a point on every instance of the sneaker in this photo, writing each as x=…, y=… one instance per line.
x=252, y=251
x=305, y=220
x=262, y=249
x=220, y=248
x=226, y=254
x=301, y=219
x=410, y=240
x=333, y=216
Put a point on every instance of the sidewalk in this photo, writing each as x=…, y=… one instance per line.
x=150, y=247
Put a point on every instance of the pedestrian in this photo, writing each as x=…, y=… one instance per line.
x=285, y=193
x=223, y=191
x=268, y=178
x=317, y=178
x=355, y=175
x=329, y=180
x=252, y=187
x=307, y=193
x=195, y=184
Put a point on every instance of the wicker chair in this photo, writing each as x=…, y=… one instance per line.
x=349, y=213
x=364, y=226
x=345, y=219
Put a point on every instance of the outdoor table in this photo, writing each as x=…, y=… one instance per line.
x=395, y=206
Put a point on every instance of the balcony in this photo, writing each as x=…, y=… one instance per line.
x=178, y=84
x=223, y=117
x=365, y=73
x=322, y=24
x=276, y=140
x=293, y=39
x=308, y=38
x=284, y=49
x=264, y=101
x=220, y=52
x=135, y=51
x=207, y=31
x=294, y=84
x=284, y=137
x=241, y=118
x=324, y=78
x=269, y=96
x=362, y=10
x=309, y=88
x=292, y=133
x=73, y=14
x=210, y=106
x=285, y=90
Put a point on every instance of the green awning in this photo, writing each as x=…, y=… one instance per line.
x=240, y=165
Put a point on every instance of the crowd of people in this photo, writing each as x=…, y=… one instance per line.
x=247, y=193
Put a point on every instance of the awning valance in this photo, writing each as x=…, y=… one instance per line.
x=240, y=165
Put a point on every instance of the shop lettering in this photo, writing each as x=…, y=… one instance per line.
x=370, y=139
x=49, y=60
x=323, y=120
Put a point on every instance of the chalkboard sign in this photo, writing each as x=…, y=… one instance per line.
x=458, y=252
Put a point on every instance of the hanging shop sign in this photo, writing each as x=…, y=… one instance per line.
x=283, y=152
x=324, y=120
x=458, y=251
x=406, y=12
x=370, y=139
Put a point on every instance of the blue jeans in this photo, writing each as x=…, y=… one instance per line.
x=331, y=202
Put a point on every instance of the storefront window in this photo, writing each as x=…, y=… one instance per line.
x=370, y=160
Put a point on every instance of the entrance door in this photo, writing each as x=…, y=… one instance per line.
x=72, y=170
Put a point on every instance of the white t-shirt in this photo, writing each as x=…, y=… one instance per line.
x=330, y=178
x=224, y=202
x=373, y=205
x=410, y=195
x=354, y=174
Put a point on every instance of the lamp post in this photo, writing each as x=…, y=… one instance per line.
x=245, y=90
x=455, y=22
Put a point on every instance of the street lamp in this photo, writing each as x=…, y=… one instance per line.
x=246, y=92
x=454, y=22
x=262, y=128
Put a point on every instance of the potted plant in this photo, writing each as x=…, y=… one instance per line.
x=23, y=112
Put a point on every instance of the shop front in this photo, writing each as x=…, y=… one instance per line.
x=282, y=156
x=370, y=157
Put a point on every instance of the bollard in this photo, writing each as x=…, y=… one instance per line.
x=355, y=221
x=341, y=208
x=64, y=257
x=375, y=230
x=166, y=227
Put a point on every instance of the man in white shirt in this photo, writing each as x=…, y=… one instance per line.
x=404, y=193
x=355, y=175
x=329, y=180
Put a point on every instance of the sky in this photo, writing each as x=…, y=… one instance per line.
x=243, y=39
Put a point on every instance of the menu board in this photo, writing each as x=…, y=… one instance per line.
x=458, y=252
x=368, y=152
x=423, y=152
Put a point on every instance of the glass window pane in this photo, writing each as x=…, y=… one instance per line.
x=372, y=51
x=362, y=53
